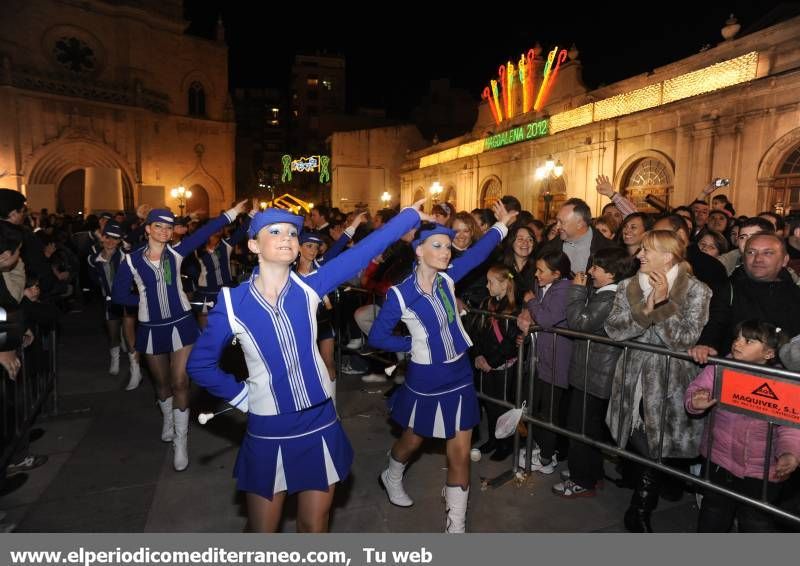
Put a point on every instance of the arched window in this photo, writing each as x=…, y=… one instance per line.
x=197, y=99
x=491, y=192
x=648, y=176
x=785, y=195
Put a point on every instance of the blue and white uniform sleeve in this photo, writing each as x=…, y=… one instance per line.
x=240, y=233
x=348, y=264
x=381, y=334
x=203, y=365
x=122, y=290
x=478, y=252
x=337, y=247
x=199, y=237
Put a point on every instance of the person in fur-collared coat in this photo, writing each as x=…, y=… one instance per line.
x=663, y=305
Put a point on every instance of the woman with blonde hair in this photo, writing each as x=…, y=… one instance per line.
x=663, y=305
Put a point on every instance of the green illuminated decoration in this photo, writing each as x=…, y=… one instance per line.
x=522, y=133
x=324, y=170
x=286, y=176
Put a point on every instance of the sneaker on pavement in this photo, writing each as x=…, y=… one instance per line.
x=374, y=378
x=570, y=490
x=347, y=369
x=26, y=464
x=538, y=466
x=522, y=455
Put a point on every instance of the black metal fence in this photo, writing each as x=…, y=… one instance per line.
x=523, y=374
x=33, y=392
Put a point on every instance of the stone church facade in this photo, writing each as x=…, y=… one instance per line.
x=105, y=105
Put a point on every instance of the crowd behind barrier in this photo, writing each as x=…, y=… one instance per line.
x=519, y=379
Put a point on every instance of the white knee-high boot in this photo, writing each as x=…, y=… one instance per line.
x=113, y=369
x=181, y=443
x=168, y=424
x=136, y=372
x=456, y=499
x=391, y=480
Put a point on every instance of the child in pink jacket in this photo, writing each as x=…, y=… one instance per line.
x=740, y=442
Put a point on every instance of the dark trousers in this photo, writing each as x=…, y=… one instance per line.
x=500, y=385
x=718, y=511
x=544, y=410
x=586, y=462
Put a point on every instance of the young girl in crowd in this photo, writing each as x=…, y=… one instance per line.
x=294, y=442
x=546, y=306
x=496, y=354
x=590, y=383
x=739, y=442
x=437, y=399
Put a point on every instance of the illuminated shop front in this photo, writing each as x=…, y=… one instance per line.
x=730, y=111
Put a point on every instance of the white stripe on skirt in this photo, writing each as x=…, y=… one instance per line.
x=280, y=477
x=330, y=469
x=438, y=423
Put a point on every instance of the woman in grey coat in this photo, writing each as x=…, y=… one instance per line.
x=663, y=305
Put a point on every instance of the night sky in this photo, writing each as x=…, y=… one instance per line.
x=391, y=59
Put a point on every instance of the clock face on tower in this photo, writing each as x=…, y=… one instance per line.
x=75, y=55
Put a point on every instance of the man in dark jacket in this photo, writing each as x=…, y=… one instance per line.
x=577, y=239
x=13, y=211
x=763, y=289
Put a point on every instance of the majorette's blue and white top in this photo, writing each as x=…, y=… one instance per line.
x=437, y=334
x=286, y=371
x=103, y=270
x=161, y=297
x=215, y=265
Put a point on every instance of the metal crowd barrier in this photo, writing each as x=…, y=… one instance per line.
x=526, y=370
x=34, y=392
x=524, y=373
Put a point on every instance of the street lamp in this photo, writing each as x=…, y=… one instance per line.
x=385, y=199
x=547, y=173
x=436, y=190
x=182, y=195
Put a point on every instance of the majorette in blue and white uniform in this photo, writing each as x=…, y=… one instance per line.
x=215, y=266
x=438, y=396
x=166, y=323
x=102, y=272
x=294, y=439
x=325, y=330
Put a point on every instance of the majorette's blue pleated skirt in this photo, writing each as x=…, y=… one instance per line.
x=437, y=400
x=166, y=336
x=306, y=450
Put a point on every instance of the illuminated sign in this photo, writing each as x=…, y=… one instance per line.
x=515, y=135
x=767, y=398
x=310, y=164
x=306, y=164
x=502, y=100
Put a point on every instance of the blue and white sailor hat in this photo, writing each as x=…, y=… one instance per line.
x=274, y=216
x=310, y=236
x=112, y=229
x=160, y=215
x=429, y=230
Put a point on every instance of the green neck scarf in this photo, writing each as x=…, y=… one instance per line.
x=448, y=306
